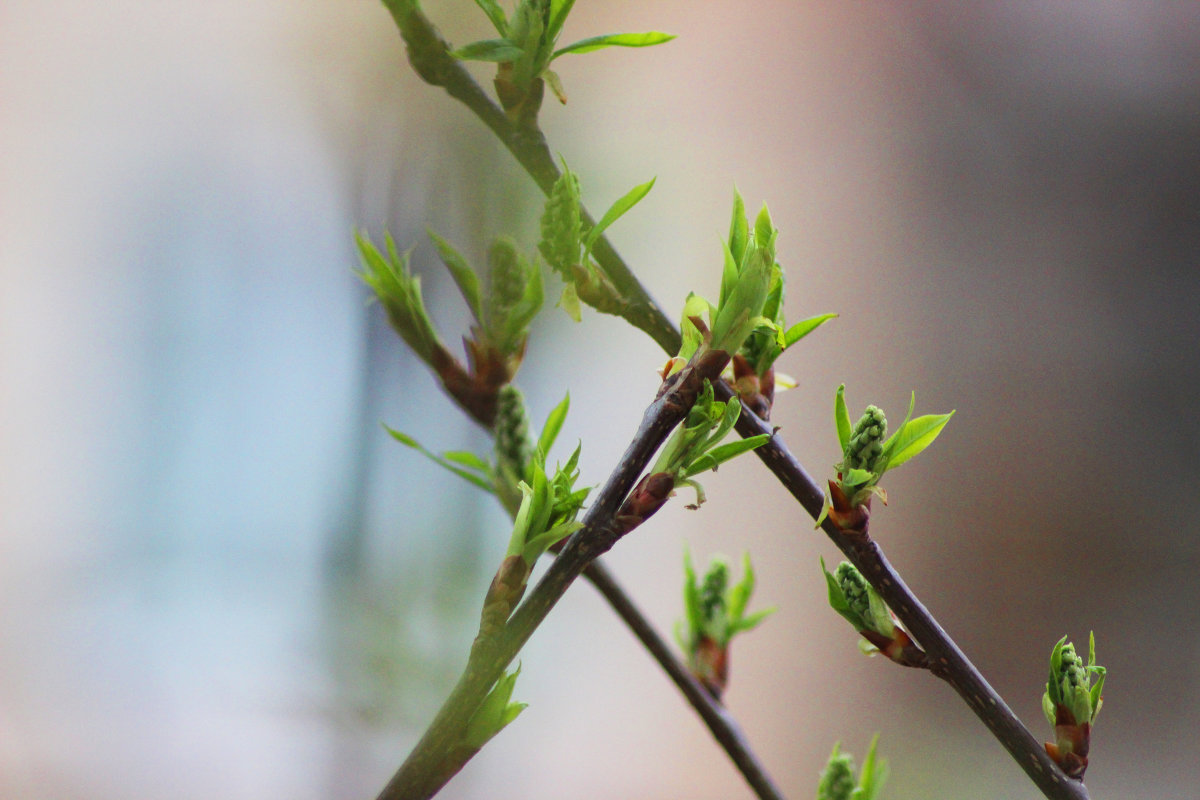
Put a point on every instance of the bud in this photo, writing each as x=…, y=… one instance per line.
x=863, y=601
x=837, y=779
x=866, y=440
x=712, y=592
x=562, y=228
x=714, y=612
x=513, y=448
x=508, y=275
x=859, y=604
x=1071, y=704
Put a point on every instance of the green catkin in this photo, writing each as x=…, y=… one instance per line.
x=712, y=592
x=854, y=587
x=562, y=228
x=1071, y=669
x=837, y=779
x=508, y=275
x=513, y=447
x=866, y=440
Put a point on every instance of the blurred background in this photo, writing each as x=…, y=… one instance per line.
x=220, y=578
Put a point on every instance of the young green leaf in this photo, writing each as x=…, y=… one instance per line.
x=553, y=425
x=464, y=277
x=739, y=232
x=467, y=459
x=837, y=600
x=765, y=232
x=496, y=14
x=722, y=453
x=569, y=302
x=873, y=774
x=804, y=328
x=443, y=461
x=559, y=9
x=500, y=51
x=614, y=40
x=628, y=201
x=841, y=417
x=496, y=712
x=750, y=622
x=913, y=437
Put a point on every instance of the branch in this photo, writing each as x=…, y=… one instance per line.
x=430, y=57
x=440, y=753
x=722, y=725
x=947, y=661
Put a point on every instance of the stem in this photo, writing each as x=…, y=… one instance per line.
x=722, y=725
x=439, y=754
x=947, y=661
x=430, y=58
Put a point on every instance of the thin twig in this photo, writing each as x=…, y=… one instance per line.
x=439, y=754
x=722, y=725
x=948, y=661
x=430, y=58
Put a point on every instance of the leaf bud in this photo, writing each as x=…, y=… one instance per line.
x=866, y=440
x=837, y=779
x=562, y=227
x=712, y=592
x=508, y=274
x=864, y=601
x=513, y=448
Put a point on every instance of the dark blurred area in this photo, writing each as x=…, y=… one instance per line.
x=219, y=577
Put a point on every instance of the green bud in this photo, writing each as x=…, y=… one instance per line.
x=513, y=448
x=508, y=274
x=495, y=713
x=1070, y=683
x=837, y=779
x=866, y=440
x=399, y=292
x=863, y=601
x=712, y=592
x=562, y=228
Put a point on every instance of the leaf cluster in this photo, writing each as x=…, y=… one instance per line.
x=838, y=781
x=748, y=316
x=527, y=41
x=856, y=600
x=696, y=447
x=567, y=244
x=1070, y=684
x=860, y=481
x=389, y=276
x=548, y=509
x=712, y=608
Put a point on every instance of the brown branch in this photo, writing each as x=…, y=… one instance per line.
x=947, y=661
x=722, y=725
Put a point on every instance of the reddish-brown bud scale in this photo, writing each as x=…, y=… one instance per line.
x=850, y=519
x=900, y=648
x=1073, y=758
x=711, y=666
x=650, y=494
x=505, y=591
